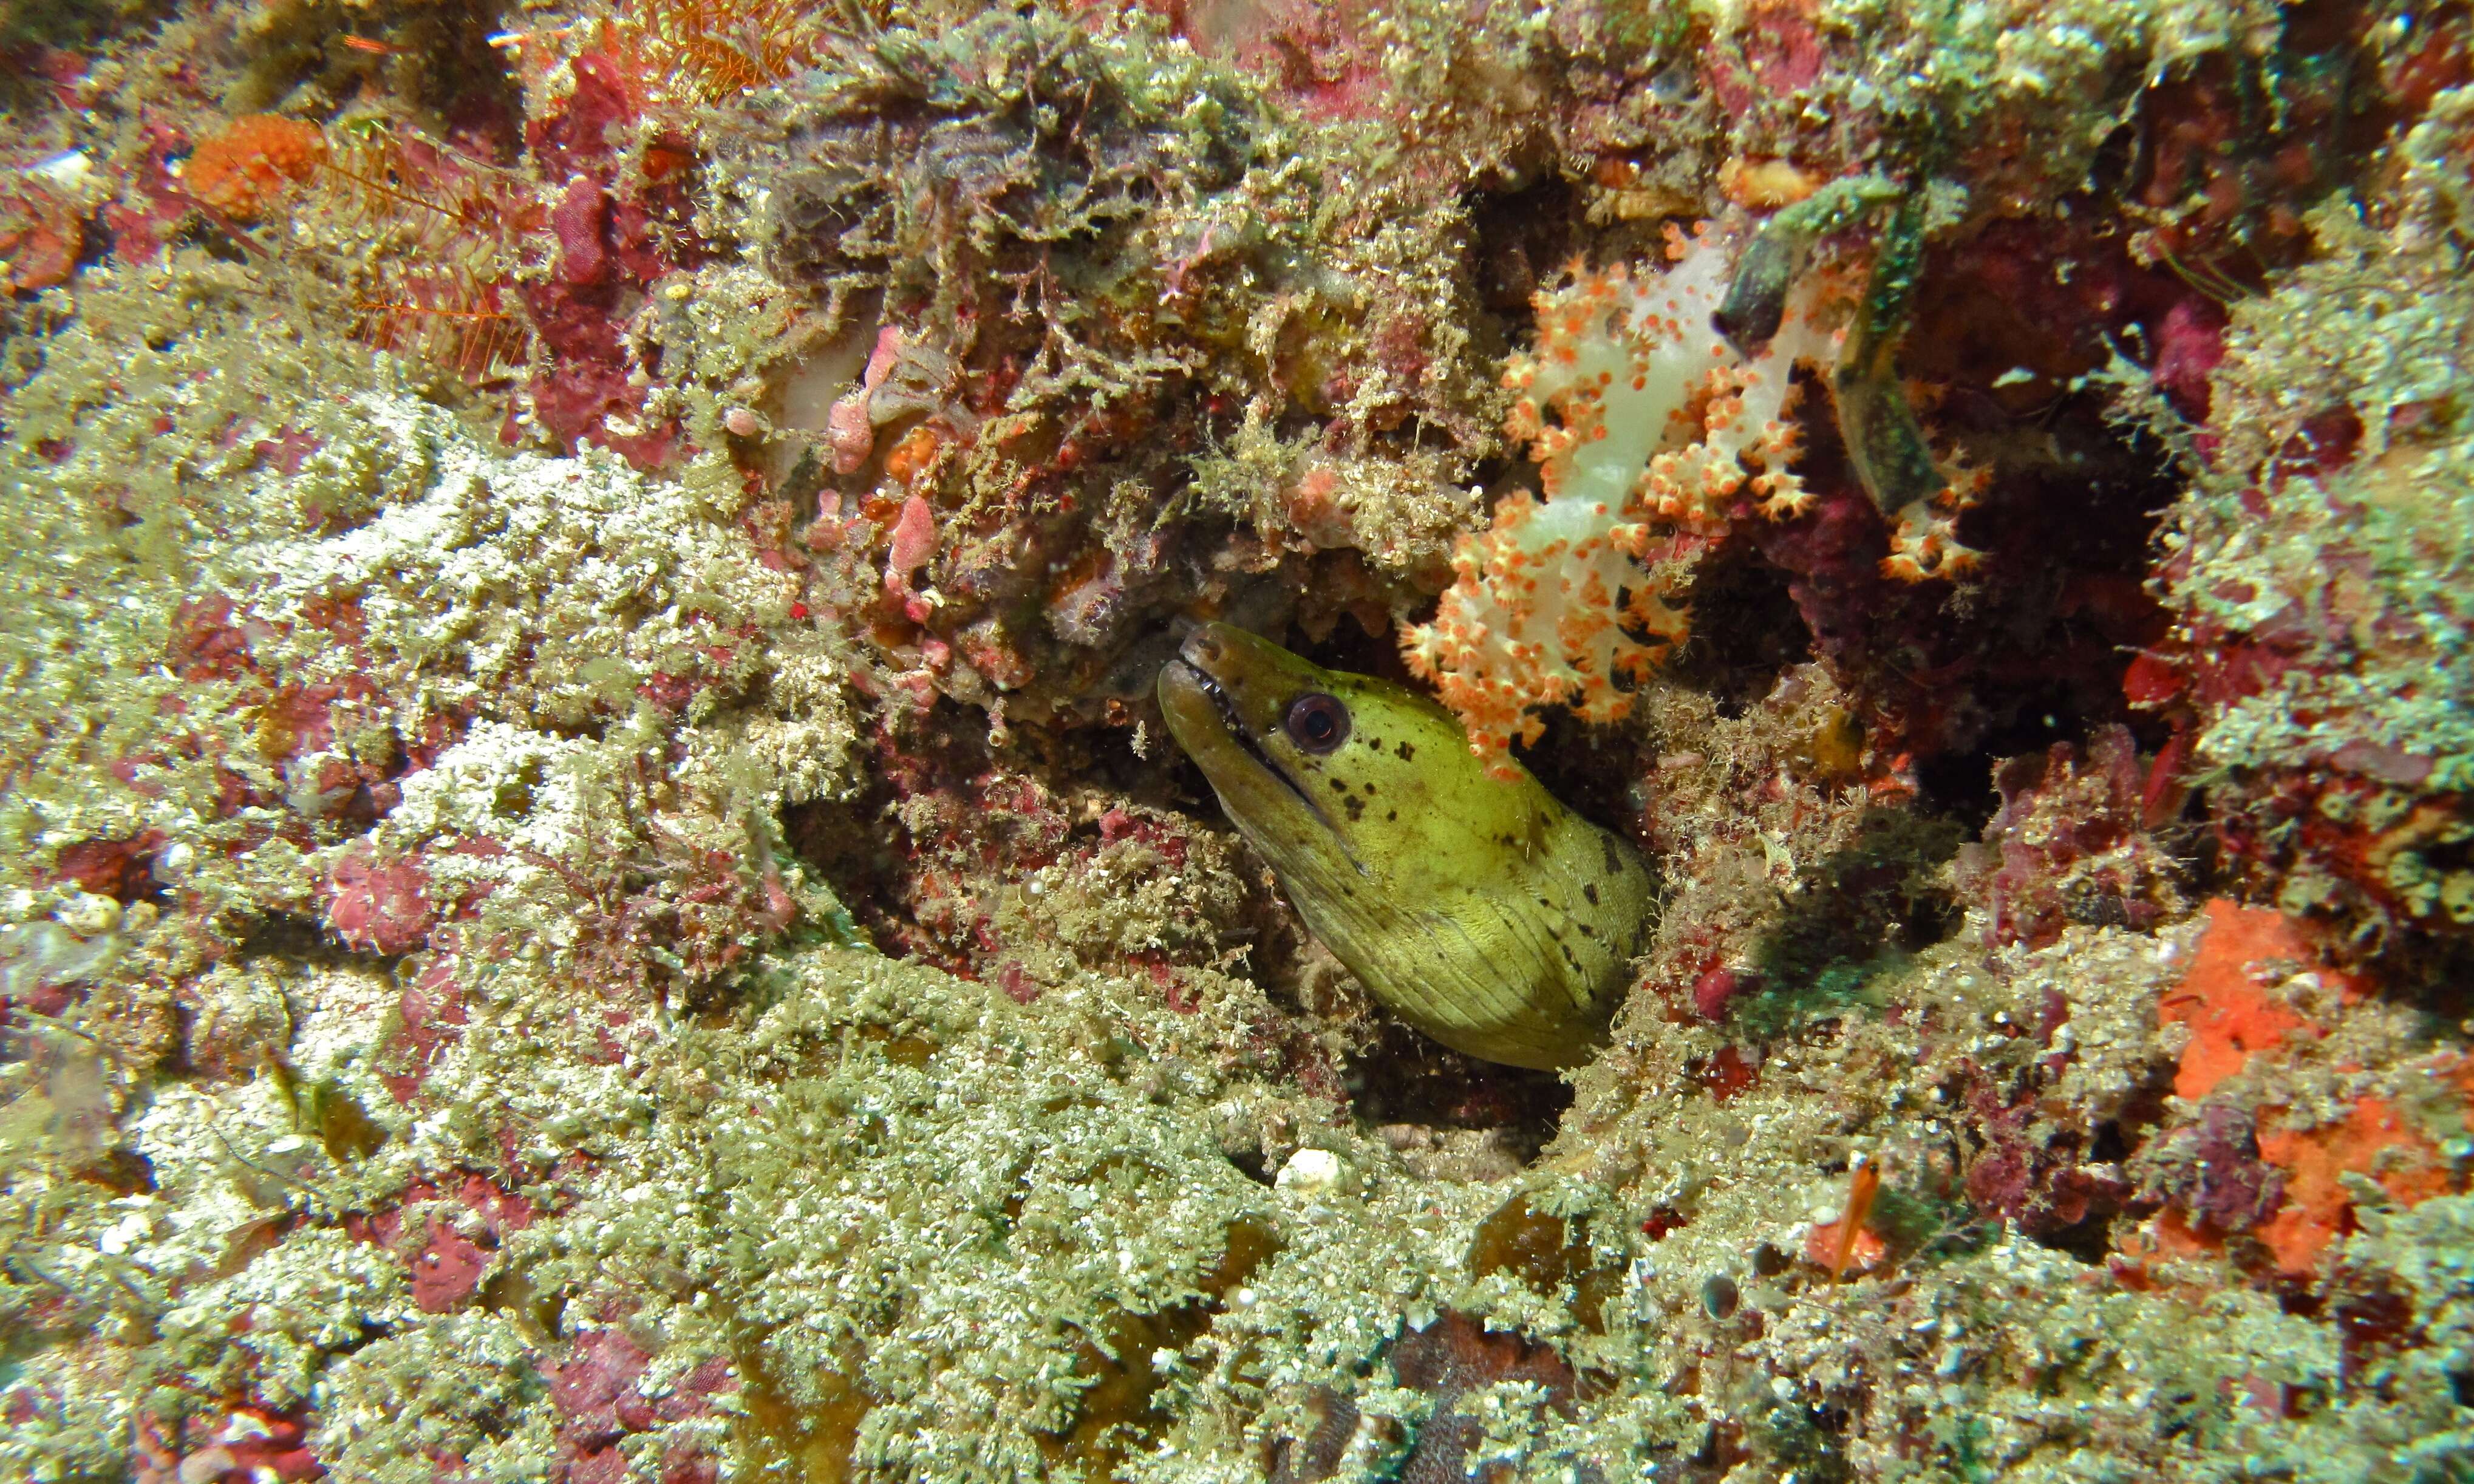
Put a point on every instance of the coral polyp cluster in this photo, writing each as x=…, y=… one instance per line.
x=1634, y=400
x=1649, y=430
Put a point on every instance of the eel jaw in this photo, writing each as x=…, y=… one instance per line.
x=1183, y=674
x=1233, y=726
x=1221, y=701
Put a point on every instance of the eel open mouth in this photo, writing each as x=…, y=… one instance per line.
x=1233, y=724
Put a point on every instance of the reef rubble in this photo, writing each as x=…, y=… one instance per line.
x=591, y=888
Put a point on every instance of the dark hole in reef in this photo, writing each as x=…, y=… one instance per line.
x=122, y=870
x=1254, y=1165
x=898, y=888
x=1589, y=767
x=860, y=847
x=1518, y=243
x=1722, y=1447
x=1961, y=675
x=2088, y=1239
x=1745, y=630
x=2054, y=637
x=1349, y=648
x=1161, y=776
x=293, y=936
x=99, y=238
x=437, y=59
x=453, y=73
x=24, y=87
x=1804, y=1445
x=2141, y=1112
x=1407, y=1078
x=2369, y=1323
x=2108, y=1147
x=121, y=1170
x=1960, y=784
x=2178, y=1414
x=2435, y=976
x=2110, y=168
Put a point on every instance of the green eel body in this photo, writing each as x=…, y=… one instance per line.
x=1482, y=911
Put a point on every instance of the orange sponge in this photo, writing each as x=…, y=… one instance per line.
x=247, y=166
x=2373, y=1138
x=2230, y=1013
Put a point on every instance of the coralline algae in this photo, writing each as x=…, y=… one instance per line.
x=592, y=890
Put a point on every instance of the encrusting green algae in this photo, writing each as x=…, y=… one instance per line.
x=609, y=869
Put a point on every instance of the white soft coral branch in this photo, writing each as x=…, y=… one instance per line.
x=1648, y=429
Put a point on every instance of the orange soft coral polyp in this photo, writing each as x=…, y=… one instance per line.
x=1647, y=429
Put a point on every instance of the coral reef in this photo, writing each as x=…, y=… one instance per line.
x=591, y=888
x=2315, y=567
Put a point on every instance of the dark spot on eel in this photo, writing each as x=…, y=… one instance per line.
x=1590, y=891
x=1406, y=752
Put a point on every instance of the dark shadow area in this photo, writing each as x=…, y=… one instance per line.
x=1960, y=784
x=1349, y=648
x=859, y=848
x=1590, y=768
x=1407, y=1078
x=2030, y=649
x=1519, y=241
x=862, y=848
x=1865, y=910
x=2087, y=1240
x=1745, y=630
x=304, y=939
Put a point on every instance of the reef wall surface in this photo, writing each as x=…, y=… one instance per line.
x=592, y=889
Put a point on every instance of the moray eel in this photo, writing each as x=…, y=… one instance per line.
x=1482, y=911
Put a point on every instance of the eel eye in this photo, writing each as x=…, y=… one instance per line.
x=1317, y=722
